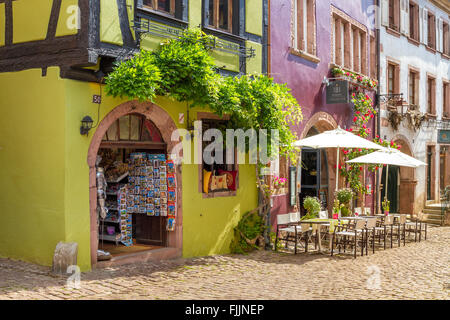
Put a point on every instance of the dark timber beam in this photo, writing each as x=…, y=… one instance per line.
x=54, y=17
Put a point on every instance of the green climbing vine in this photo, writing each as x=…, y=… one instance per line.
x=183, y=69
x=248, y=233
x=363, y=113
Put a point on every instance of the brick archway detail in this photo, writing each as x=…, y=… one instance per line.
x=166, y=126
x=408, y=182
x=322, y=121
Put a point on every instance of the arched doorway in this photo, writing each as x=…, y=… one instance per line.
x=321, y=162
x=314, y=173
x=138, y=127
x=401, y=183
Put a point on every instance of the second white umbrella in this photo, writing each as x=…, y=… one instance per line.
x=337, y=138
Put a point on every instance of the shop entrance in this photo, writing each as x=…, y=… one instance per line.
x=133, y=203
x=314, y=174
x=392, y=187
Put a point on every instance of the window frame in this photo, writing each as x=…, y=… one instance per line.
x=304, y=24
x=445, y=98
x=446, y=38
x=215, y=193
x=353, y=44
x=412, y=71
x=431, y=30
x=154, y=5
x=233, y=17
x=414, y=21
x=394, y=15
x=431, y=95
x=395, y=77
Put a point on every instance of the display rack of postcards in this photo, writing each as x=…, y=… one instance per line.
x=125, y=218
x=152, y=186
x=171, y=195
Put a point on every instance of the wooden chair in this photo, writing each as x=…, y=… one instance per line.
x=383, y=229
x=371, y=224
x=401, y=222
x=351, y=235
x=289, y=224
x=416, y=226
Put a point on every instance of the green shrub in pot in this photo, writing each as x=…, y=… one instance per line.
x=312, y=207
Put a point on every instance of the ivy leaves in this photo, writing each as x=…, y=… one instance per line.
x=183, y=70
x=137, y=78
x=257, y=102
x=187, y=67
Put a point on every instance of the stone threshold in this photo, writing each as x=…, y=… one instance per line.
x=143, y=256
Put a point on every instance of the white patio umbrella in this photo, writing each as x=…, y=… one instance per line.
x=388, y=156
x=337, y=138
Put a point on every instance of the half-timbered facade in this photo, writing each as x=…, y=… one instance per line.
x=53, y=57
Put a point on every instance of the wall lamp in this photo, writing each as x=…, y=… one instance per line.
x=86, y=125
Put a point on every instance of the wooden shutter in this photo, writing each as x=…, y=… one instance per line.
x=425, y=26
x=402, y=16
x=440, y=35
x=385, y=12
x=420, y=24
x=407, y=13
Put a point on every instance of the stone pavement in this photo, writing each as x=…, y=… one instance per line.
x=416, y=271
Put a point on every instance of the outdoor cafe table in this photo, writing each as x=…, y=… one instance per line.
x=316, y=223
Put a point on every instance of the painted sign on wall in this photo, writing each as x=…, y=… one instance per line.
x=338, y=92
x=443, y=136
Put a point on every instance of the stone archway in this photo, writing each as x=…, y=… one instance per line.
x=408, y=182
x=166, y=126
x=323, y=121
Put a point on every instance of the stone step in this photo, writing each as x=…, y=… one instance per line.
x=433, y=211
x=433, y=221
x=427, y=215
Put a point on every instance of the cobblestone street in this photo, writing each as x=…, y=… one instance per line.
x=416, y=271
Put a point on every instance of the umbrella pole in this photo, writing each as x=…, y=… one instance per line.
x=385, y=187
x=337, y=168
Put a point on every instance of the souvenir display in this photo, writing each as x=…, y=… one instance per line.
x=125, y=218
x=148, y=187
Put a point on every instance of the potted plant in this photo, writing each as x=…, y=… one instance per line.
x=385, y=204
x=337, y=206
x=279, y=184
x=344, y=196
x=312, y=207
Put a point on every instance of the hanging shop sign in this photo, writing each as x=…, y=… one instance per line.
x=444, y=136
x=338, y=92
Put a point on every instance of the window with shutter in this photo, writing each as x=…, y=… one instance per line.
x=304, y=26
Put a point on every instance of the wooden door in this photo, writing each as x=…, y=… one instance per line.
x=150, y=230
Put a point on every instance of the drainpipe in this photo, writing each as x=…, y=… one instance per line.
x=378, y=118
x=266, y=28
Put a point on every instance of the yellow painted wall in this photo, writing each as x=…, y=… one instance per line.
x=32, y=169
x=109, y=22
x=68, y=21
x=208, y=223
x=2, y=24
x=44, y=174
x=30, y=19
